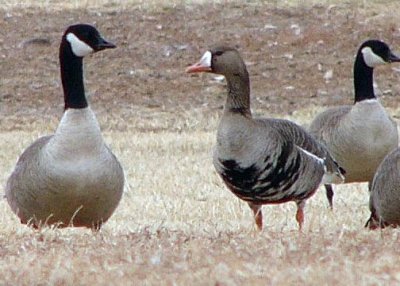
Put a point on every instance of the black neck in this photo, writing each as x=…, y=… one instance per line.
x=72, y=78
x=363, y=80
x=238, y=100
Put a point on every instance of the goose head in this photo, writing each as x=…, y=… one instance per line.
x=227, y=61
x=84, y=39
x=375, y=53
x=220, y=60
x=77, y=42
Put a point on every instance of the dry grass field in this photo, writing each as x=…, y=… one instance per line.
x=177, y=224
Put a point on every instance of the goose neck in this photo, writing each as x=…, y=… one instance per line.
x=238, y=100
x=72, y=78
x=363, y=80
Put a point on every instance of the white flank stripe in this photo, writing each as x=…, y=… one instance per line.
x=322, y=161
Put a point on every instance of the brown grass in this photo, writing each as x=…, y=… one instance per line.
x=177, y=224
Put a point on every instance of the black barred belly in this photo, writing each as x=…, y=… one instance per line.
x=267, y=184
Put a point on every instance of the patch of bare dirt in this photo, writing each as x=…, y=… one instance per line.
x=290, y=54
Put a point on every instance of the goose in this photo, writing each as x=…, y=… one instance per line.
x=384, y=200
x=262, y=161
x=359, y=136
x=70, y=178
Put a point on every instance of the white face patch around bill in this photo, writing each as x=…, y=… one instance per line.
x=206, y=59
x=79, y=48
x=371, y=59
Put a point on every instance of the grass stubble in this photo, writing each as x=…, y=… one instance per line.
x=177, y=224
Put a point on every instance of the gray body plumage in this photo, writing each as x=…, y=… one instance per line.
x=262, y=161
x=385, y=193
x=303, y=139
x=280, y=169
x=69, y=178
x=357, y=136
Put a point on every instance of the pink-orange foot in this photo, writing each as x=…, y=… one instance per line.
x=300, y=214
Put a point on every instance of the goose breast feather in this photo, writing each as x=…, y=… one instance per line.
x=51, y=191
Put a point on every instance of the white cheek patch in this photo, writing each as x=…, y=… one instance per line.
x=79, y=48
x=371, y=59
x=206, y=59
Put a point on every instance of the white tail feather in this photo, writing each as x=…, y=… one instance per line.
x=332, y=178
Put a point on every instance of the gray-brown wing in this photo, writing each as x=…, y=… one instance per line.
x=300, y=137
x=27, y=162
x=327, y=122
x=297, y=134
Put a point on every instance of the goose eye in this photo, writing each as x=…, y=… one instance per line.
x=383, y=50
x=219, y=53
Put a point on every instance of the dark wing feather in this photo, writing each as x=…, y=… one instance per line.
x=300, y=137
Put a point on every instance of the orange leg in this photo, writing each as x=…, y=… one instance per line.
x=258, y=217
x=300, y=214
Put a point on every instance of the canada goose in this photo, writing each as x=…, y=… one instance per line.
x=70, y=178
x=262, y=161
x=384, y=200
x=359, y=136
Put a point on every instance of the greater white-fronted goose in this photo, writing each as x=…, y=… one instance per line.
x=384, y=200
x=70, y=178
x=359, y=136
x=263, y=161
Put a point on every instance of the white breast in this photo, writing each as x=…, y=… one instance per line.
x=366, y=135
x=78, y=137
x=369, y=116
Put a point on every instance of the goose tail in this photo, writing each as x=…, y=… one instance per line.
x=334, y=174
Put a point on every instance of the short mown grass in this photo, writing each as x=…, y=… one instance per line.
x=177, y=223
